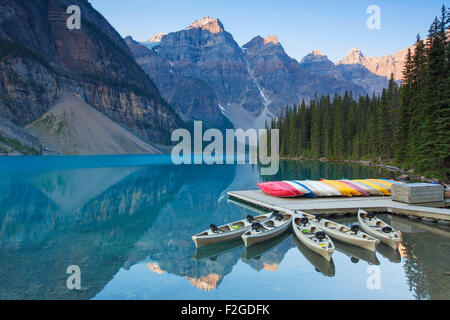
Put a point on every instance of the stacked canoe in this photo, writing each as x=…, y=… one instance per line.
x=328, y=188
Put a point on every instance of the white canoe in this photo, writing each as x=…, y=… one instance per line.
x=379, y=229
x=317, y=191
x=262, y=231
x=344, y=233
x=325, y=189
x=311, y=235
x=298, y=187
x=228, y=231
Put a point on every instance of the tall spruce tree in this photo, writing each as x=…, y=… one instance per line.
x=409, y=124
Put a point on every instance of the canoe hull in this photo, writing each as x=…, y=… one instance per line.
x=365, y=244
x=207, y=237
x=391, y=242
x=324, y=252
x=357, y=188
x=279, y=189
x=207, y=240
x=250, y=240
x=344, y=189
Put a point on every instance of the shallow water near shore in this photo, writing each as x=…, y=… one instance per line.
x=127, y=222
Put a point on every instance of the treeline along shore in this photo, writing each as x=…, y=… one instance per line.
x=408, y=125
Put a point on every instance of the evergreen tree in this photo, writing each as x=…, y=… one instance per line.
x=409, y=124
x=315, y=130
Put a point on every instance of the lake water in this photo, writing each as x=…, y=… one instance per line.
x=127, y=222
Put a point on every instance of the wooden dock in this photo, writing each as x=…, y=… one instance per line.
x=436, y=211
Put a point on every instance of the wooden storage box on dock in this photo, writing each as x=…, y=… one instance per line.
x=417, y=192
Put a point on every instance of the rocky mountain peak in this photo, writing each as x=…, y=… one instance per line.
x=317, y=52
x=271, y=39
x=314, y=57
x=211, y=24
x=157, y=37
x=354, y=56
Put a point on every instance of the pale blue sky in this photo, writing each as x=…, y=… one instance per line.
x=333, y=27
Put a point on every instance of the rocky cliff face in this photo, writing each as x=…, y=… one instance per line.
x=205, y=51
x=382, y=66
x=285, y=81
x=317, y=63
x=40, y=58
x=206, y=57
x=251, y=84
x=192, y=98
x=274, y=70
x=366, y=72
x=15, y=140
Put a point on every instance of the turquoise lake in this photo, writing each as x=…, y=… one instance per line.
x=127, y=222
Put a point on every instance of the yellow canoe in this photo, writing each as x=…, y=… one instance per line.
x=380, y=184
x=385, y=191
x=341, y=187
x=354, y=192
x=383, y=182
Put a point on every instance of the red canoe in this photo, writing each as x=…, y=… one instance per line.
x=279, y=189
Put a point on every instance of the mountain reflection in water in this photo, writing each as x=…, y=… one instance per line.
x=112, y=215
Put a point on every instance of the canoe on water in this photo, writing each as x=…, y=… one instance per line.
x=228, y=231
x=378, y=228
x=268, y=229
x=312, y=236
x=345, y=234
x=320, y=264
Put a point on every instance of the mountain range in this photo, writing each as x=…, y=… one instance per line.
x=152, y=88
x=253, y=83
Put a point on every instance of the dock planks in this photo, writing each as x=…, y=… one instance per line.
x=341, y=205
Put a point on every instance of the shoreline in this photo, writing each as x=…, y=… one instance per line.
x=408, y=174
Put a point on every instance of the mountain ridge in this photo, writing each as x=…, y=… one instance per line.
x=268, y=78
x=42, y=58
